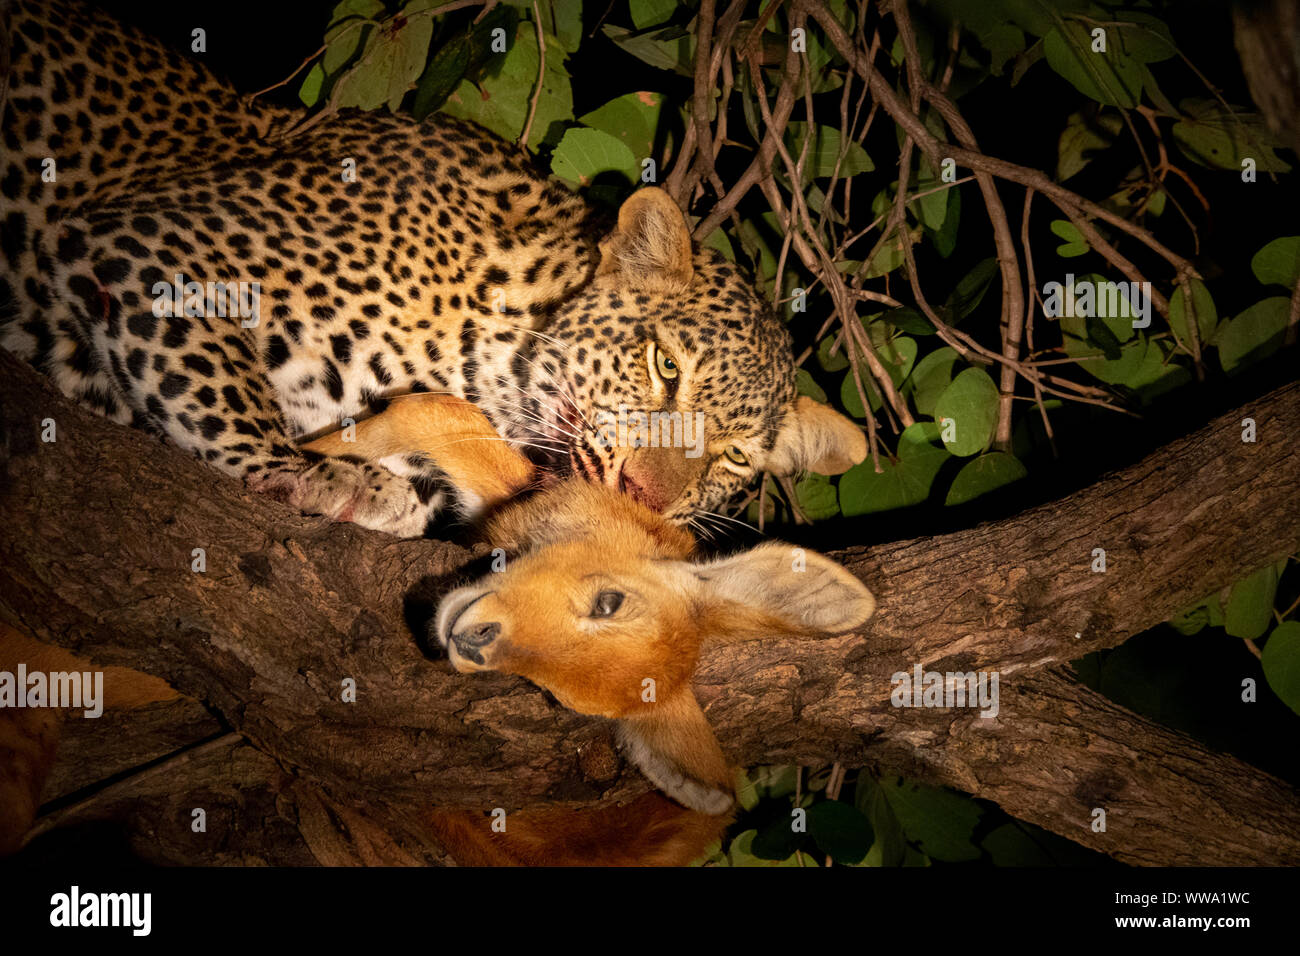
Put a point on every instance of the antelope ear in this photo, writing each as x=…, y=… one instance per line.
x=777, y=588
x=651, y=247
x=815, y=437
x=673, y=745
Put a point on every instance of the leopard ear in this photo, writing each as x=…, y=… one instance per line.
x=817, y=438
x=651, y=246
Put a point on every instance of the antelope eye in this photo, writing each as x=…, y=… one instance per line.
x=737, y=456
x=665, y=365
x=607, y=603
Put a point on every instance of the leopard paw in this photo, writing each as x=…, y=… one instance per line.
x=364, y=494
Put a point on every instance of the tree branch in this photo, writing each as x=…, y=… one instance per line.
x=102, y=525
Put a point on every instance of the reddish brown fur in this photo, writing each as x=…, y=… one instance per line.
x=29, y=738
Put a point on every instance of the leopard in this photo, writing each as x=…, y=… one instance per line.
x=215, y=271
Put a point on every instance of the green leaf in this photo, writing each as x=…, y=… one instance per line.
x=1281, y=663
x=387, y=68
x=677, y=55
x=805, y=384
x=1278, y=263
x=1207, y=316
x=909, y=320
x=1202, y=614
x=889, y=257
x=1250, y=606
x=898, y=356
x=345, y=36
x=312, y=85
x=443, y=74
x=971, y=404
x=1026, y=60
x=1109, y=78
x=970, y=291
x=1003, y=41
x=461, y=57
x=840, y=831
x=562, y=19
x=1084, y=135
x=651, y=13
x=933, y=205
x=835, y=362
x=983, y=475
x=1109, y=306
x=817, y=497
x=1157, y=373
x=772, y=781
x=1099, y=332
x=632, y=119
x=1215, y=137
x=583, y=154
x=900, y=484
x=501, y=101
x=981, y=16
x=757, y=235
x=741, y=853
x=945, y=239
x=1157, y=95
x=1141, y=37
x=777, y=840
x=890, y=846
x=824, y=150
x=718, y=240
x=851, y=397
x=1140, y=364
x=930, y=377
x=1075, y=244
x=713, y=855
x=942, y=823
x=1009, y=845
x=1215, y=607
x=1254, y=334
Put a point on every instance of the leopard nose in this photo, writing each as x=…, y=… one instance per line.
x=473, y=639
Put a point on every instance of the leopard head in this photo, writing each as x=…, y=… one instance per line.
x=668, y=377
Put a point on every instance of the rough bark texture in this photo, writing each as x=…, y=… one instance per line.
x=101, y=527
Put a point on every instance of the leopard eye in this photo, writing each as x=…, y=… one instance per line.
x=664, y=364
x=607, y=603
x=737, y=456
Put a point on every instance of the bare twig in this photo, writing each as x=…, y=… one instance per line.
x=541, y=77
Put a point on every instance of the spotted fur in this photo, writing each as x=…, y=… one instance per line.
x=446, y=263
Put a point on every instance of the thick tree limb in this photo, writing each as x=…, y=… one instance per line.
x=101, y=527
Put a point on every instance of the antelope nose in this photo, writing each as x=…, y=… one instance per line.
x=472, y=639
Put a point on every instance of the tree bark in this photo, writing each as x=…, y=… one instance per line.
x=103, y=523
